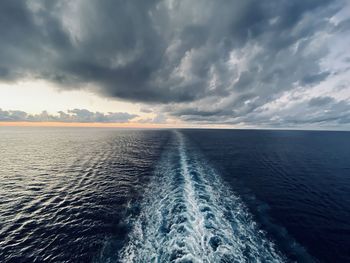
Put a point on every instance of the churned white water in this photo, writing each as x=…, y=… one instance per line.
x=188, y=214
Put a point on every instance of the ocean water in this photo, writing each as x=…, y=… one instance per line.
x=109, y=195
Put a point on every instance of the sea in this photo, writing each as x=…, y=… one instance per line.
x=173, y=195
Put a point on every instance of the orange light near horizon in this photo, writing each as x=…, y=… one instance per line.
x=113, y=125
x=80, y=124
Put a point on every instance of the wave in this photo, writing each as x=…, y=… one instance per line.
x=188, y=214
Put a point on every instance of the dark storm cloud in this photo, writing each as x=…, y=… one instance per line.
x=316, y=78
x=320, y=101
x=323, y=111
x=315, y=113
x=236, y=55
x=75, y=115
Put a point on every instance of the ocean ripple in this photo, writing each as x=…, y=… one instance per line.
x=189, y=215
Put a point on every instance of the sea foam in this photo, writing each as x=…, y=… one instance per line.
x=189, y=215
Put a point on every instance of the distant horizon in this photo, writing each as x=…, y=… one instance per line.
x=155, y=126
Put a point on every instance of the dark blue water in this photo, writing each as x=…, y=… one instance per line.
x=107, y=195
x=297, y=184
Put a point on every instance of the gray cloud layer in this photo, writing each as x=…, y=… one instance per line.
x=212, y=61
x=75, y=115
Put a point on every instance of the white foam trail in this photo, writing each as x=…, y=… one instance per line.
x=189, y=215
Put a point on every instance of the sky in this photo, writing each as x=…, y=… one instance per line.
x=184, y=63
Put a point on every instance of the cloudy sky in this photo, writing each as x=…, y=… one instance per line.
x=229, y=63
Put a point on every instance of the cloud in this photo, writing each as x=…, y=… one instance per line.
x=210, y=61
x=320, y=101
x=322, y=111
x=75, y=115
x=146, y=110
x=316, y=112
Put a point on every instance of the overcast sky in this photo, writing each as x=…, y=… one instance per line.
x=251, y=63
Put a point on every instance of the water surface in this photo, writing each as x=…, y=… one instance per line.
x=109, y=195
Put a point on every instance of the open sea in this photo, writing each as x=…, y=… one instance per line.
x=118, y=195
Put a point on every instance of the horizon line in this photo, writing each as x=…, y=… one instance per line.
x=131, y=125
